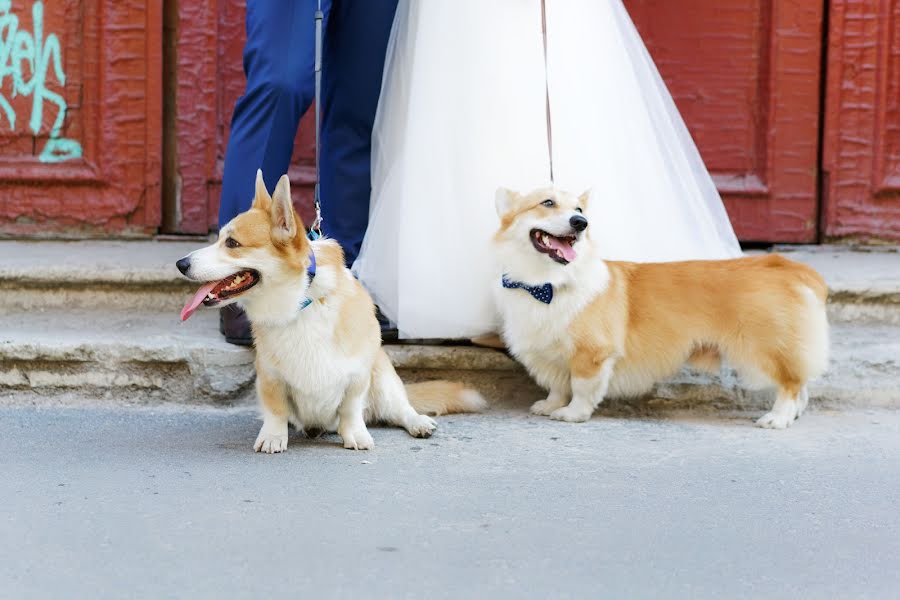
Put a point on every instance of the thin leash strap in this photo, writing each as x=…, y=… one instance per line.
x=547, y=87
x=316, y=228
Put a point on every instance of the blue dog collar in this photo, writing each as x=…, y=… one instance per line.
x=310, y=274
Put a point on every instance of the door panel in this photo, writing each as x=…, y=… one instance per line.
x=80, y=117
x=210, y=79
x=861, y=155
x=745, y=76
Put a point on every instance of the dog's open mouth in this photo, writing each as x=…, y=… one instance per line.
x=558, y=248
x=214, y=292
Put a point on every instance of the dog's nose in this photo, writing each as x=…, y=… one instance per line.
x=183, y=265
x=578, y=223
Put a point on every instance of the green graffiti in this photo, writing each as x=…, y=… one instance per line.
x=18, y=49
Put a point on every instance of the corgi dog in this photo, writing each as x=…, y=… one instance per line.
x=319, y=360
x=586, y=328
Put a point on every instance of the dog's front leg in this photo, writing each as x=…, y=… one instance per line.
x=590, y=381
x=352, y=425
x=560, y=393
x=273, y=399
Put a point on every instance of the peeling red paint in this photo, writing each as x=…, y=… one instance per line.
x=110, y=54
x=861, y=154
x=745, y=75
x=740, y=72
x=211, y=37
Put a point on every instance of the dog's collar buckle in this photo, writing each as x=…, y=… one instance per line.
x=541, y=293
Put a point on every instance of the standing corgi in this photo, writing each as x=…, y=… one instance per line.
x=586, y=328
x=319, y=361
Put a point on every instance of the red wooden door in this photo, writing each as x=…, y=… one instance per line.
x=80, y=117
x=210, y=78
x=861, y=155
x=80, y=112
x=745, y=75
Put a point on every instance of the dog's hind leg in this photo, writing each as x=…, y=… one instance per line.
x=787, y=407
x=390, y=402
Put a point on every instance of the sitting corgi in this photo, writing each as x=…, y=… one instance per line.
x=319, y=361
x=586, y=328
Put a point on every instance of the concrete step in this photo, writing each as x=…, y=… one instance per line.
x=134, y=275
x=141, y=275
x=57, y=356
x=130, y=356
x=101, y=318
x=863, y=283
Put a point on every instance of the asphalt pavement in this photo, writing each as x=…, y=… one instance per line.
x=165, y=503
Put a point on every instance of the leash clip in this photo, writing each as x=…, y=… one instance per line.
x=315, y=231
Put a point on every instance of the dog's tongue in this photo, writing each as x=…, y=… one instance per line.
x=562, y=247
x=195, y=302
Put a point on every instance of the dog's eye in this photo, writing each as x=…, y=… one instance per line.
x=578, y=209
x=232, y=243
x=549, y=203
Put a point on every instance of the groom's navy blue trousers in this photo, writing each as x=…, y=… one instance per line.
x=278, y=60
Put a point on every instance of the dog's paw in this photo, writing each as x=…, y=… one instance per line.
x=546, y=407
x=773, y=420
x=270, y=443
x=358, y=439
x=421, y=426
x=571, y=414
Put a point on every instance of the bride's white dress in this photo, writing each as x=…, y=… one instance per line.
x=463, y=112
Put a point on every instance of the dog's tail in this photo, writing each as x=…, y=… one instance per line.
x=437, y=398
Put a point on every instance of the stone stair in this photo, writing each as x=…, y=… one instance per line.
x=99, y=321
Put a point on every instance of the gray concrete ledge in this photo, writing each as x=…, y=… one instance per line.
x=141, y=275
x=118, y=262
x=102, y=316
x=872, y=273
x=153, y=358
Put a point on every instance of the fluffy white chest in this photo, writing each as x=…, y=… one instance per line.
x=538, y=334
x=530, y=324
x=305, y=356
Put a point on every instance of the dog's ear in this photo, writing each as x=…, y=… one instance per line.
x=261, y=199
x=284, y=220
x=584, y=198
x=503, y=200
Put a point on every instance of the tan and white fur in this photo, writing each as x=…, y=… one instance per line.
x=617, y=328
x=321, y=367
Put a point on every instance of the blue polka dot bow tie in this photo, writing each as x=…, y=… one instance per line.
x=542, y=293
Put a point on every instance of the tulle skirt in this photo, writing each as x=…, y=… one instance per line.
x=463, y=111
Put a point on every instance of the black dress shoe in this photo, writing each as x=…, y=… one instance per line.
x=235, y=325
x=388, y=332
